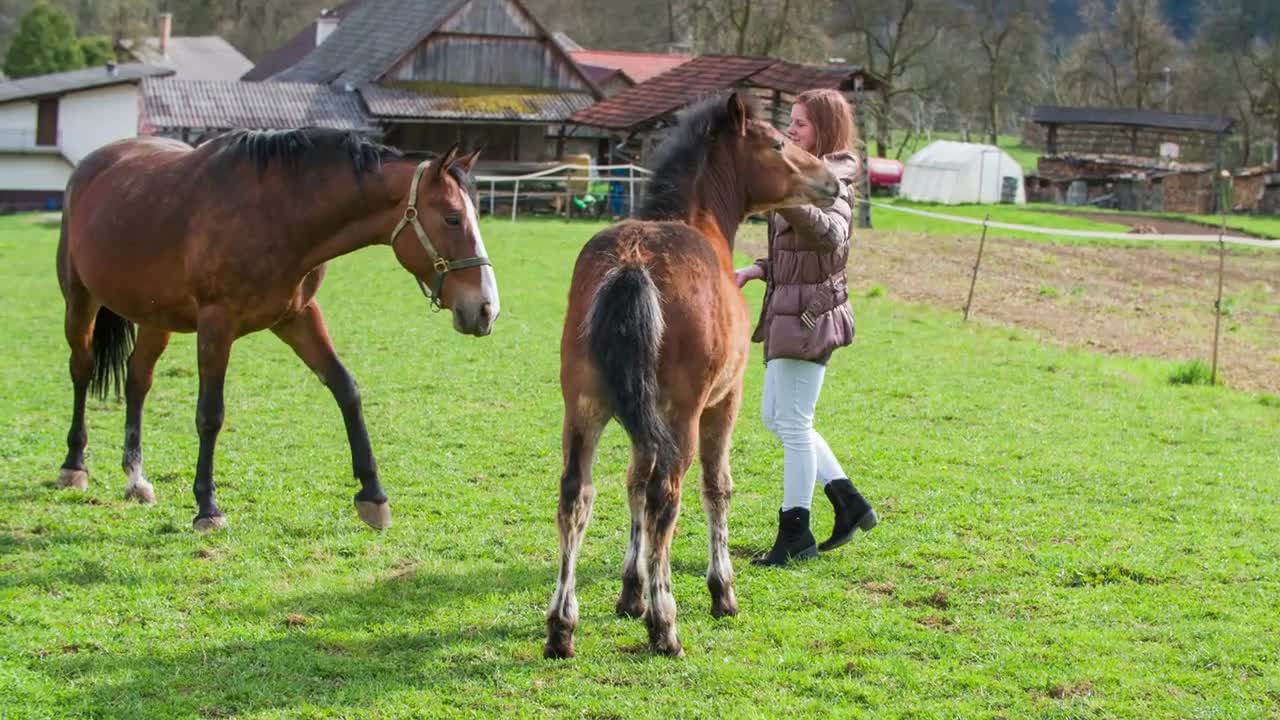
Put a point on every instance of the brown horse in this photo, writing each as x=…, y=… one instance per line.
x=657, y=335
x=231, y=238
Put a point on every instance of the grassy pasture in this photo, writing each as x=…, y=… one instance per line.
x=1063, y=534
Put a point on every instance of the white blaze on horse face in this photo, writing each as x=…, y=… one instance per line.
x=488, y=281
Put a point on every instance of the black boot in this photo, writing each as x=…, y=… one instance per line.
x=853, y=512
x=794, y=541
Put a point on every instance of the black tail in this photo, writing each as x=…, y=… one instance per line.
x=625, y=334
x=112, y=344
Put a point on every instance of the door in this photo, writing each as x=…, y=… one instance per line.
x=47, y=123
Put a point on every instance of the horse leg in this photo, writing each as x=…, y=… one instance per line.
x=662, y=507
x=142, y=366
x=214, y=335
x=78, y=325
x=631, y=602
x=307, y=334
x=715, y=436
x=581, y=433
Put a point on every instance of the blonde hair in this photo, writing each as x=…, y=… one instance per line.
x=832, y=120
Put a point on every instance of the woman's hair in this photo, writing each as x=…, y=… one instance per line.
x=832, y=120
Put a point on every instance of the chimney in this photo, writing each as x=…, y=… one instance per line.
x=166, y=28
x=325, y=25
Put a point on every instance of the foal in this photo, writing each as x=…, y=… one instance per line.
x=232, y=238
x=657, y=335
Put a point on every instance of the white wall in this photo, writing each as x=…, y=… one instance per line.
x=18, y=116
x=34, y=172
x=90, y=119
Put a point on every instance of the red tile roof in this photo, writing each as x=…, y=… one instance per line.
x=636, y=65
x=670, y=91
x=708, y=74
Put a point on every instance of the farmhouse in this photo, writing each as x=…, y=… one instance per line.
x=50, y=122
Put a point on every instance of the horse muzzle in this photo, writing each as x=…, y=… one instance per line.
x=475, y=318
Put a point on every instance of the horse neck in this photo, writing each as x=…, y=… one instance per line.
x=352, y=215
x=718, y=203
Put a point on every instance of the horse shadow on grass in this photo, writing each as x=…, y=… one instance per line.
x=341, y=651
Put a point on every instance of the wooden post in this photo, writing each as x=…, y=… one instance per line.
x=515, y=200
x=1217, y=303
x=864, y=173
x=974, y=281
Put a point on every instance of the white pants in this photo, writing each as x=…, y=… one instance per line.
x=791, y=389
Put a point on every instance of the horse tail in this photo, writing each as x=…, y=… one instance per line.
x=113, y=338
x=625, y=327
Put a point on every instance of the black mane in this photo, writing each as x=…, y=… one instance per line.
x=684, y=153
x=302, y=150
x=316, y=149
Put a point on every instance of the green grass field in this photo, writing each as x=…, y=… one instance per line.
x=884, y=219
x=1062, y=534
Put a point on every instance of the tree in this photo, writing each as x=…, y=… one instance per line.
x=891, y=37
x=1121, y=57
x=1009, y=35
x=97, y=50
x=45, y=43
x=1247, y=34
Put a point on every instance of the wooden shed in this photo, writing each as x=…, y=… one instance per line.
x=1127, y=159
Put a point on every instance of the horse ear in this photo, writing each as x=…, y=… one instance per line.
x=738, y=113
x=468, y=161
x=443, y=162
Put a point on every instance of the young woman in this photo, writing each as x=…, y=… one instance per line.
x=804, y=319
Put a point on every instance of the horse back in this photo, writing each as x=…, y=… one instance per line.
x=706, y=327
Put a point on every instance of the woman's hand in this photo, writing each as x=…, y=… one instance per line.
x=748, y=273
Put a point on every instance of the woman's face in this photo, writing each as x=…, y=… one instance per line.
x=801, y=131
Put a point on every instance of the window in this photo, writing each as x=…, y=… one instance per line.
x=47, y=123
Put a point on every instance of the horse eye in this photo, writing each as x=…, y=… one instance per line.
x=778, y=145
x=453, y=220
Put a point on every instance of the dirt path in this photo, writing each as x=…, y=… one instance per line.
x=1127, y=301
x=1161, y=225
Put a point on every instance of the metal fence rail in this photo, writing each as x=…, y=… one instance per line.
x=562, y=174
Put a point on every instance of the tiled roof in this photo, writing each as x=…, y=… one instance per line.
x=385, y=102
x=193, y=58
x=671, y=90
x=174, y=103
x=86, y=79
x=637, y=66
x=370, y=40
x=601, y=75
x=1052, y=115
x=793, y=78
x=296, y=48
x=706, y=74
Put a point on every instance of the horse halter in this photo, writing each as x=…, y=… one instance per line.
x=441, y=266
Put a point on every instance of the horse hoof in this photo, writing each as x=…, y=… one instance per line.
x=725, y=608
x=71, y=478
x=143, y=492
x=375, y=515
x=209, y=524
x=672, y=648
x=629, y=609
x=558, y=650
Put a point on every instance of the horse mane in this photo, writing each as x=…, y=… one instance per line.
x=301, y=150
x=683, y=156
